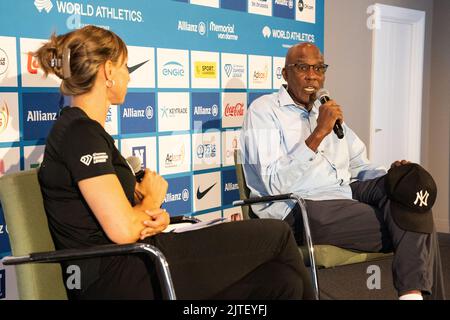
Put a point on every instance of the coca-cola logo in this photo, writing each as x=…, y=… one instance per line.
x=234, y=110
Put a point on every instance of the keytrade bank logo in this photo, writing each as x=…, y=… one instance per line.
x=137, y=113
x=90, y=10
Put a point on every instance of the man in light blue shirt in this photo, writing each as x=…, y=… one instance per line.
x=288, y=145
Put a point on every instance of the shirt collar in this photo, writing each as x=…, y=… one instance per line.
x=285, y=100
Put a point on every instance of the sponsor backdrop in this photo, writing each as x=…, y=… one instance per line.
x=196, y=66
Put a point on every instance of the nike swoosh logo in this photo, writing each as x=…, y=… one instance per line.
x=200, y=195
x=134, y=68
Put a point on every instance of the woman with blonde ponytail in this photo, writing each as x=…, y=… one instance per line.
x=89, y=197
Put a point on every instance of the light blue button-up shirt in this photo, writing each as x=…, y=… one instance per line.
x=276, y=159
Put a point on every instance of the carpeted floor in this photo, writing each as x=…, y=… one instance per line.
x=350, y=282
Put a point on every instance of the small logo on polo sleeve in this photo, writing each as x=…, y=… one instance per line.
x=87, y=159
x=98, y=157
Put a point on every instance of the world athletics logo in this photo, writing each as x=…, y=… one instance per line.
x=46, y=5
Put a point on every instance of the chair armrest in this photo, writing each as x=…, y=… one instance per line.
x=249, y=201
x=100, y=251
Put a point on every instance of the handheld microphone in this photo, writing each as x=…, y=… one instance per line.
x=323, y=96
x=136, y=166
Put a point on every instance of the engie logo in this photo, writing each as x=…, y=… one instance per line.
x=173, y=68
x=2, y=284
x=230, y=187
x=137, y=113
x=178, y=199
x=39, y=113
x=205, y=111
x=46, y=5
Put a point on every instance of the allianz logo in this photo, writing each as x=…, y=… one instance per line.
x=199, y=28
x=39, y=116
x=132, y=112
x=171, y=197
x=173, y=69
x=231, y=186
x=3, y=229
x=286, y=3
x=203, y=111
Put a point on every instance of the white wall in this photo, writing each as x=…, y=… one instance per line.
x=348, y=50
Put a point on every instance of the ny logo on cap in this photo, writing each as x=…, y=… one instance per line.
x=422, y=197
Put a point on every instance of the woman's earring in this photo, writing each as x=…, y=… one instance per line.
x=110, y=83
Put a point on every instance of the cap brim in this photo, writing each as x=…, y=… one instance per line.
x=409, y=220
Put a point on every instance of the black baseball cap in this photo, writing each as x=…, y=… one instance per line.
x=412, y=193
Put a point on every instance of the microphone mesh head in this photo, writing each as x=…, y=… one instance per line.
x=135, y=163
x=322, y=93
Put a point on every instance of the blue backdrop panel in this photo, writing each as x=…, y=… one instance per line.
x=196, y=70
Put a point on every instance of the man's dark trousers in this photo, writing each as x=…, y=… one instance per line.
x=365, y=224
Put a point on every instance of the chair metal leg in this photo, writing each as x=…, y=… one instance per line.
x=309, y=243
x=301, y=202
x=170, y=290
